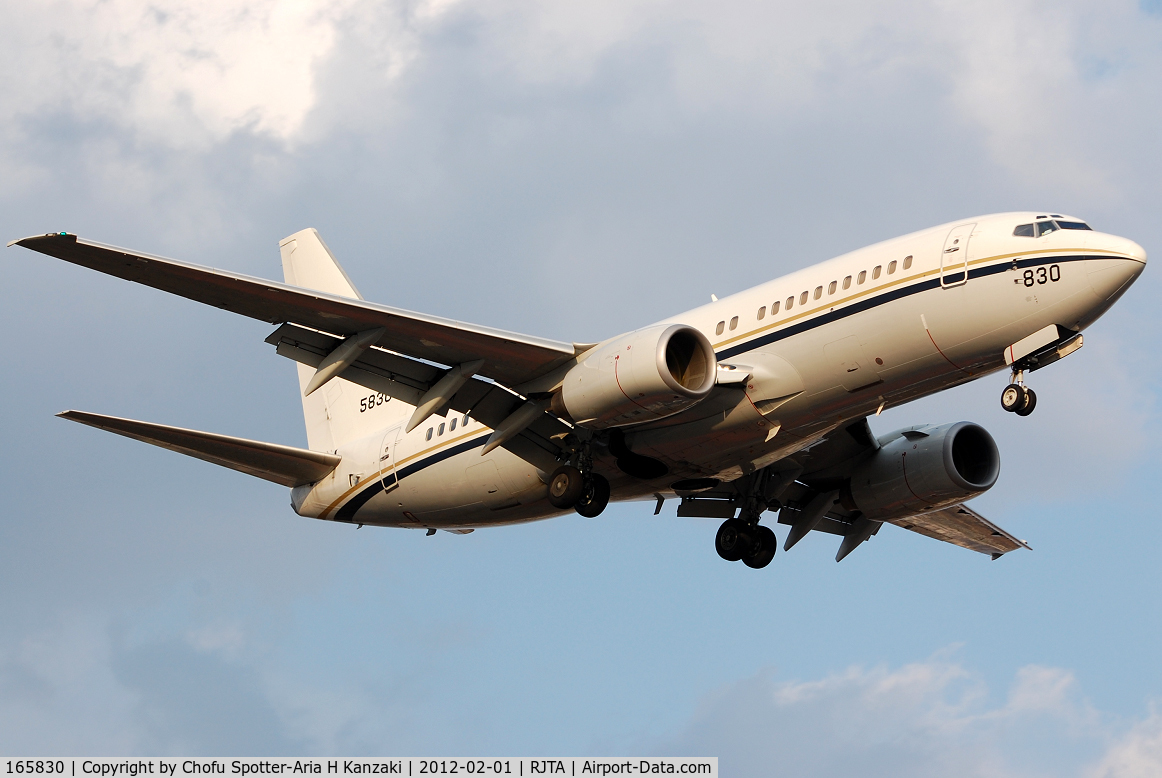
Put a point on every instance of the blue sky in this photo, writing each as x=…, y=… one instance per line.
x=570, y=171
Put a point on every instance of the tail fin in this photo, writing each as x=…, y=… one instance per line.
x=307, y=262
x=332, y=413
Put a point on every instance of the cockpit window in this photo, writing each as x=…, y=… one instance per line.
x=1074, y=225
x=1024, y=231
x=1044, y=228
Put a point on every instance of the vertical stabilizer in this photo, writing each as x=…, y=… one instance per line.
x=332, y=414
x=307, y=262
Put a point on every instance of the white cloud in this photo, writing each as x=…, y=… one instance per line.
x=926, y=718
x=1138, y=754
x=186, y=73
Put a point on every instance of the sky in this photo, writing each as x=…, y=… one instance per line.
x=568, y=170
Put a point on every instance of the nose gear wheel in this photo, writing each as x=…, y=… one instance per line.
x=1018, y=398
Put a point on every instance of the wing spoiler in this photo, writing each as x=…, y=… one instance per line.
x=283, y=465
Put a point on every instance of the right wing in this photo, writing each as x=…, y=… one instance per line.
x=509, y=358
x=284, y=465
x=407, y=380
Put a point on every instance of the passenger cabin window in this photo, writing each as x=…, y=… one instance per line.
x=862, y=277
x=1023, y=231
x=803, y=299
x=831, y=287
x=429, y=435
x=847, y=282
x=790, y=302
x=762, y=313
x=1044, y=228
x=907, y=262
x=452, y=426
x=734, y=322
x=721, y=326
x=1073, y=225
x=441, y=430
x=818, y=292
x=876, y=271
x=465, y=422
x=892, y=267
x=774, y=308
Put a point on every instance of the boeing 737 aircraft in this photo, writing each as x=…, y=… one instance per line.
x=756, y=402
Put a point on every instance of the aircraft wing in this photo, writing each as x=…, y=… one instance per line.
x=809, y=495
x=964, y=527
x=959, y=524
x=509, y=358
x=408, y=379
x=284, y=465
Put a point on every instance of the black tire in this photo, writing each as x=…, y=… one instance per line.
x=565, y=487
x=1013, y=398
x=762, y=549
x=1030, y=403
x=594, y=497
x=733, y=540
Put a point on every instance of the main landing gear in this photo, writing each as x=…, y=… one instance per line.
x=1017, y=398
x=586, y=493
x=753, y=544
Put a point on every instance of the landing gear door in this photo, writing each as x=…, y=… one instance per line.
x=388, y=453
x=954, y=258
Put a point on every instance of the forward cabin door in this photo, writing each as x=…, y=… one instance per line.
x=388, y=453
x=954, y=259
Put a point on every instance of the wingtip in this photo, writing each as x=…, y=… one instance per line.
x=37, y=238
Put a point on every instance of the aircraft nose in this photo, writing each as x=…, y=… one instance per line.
x=1111, y=274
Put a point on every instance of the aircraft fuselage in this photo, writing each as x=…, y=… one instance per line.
x=822, y=346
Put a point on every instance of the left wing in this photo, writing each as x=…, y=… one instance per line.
x=509, y=357
x=807, y=485
x=959, y=525
x=826, y=464
x=964, y=527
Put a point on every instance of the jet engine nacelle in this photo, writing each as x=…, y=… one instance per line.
x=639, y=377
x=924, y=470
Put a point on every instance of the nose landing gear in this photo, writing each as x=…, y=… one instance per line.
x=1017, y=398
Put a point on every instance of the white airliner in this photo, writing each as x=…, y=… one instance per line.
x=756, y=402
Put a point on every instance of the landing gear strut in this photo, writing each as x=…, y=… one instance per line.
x=587, y=493
x=1017, y=398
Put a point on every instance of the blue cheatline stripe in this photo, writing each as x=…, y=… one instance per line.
x=347, y=512
x=887, y=297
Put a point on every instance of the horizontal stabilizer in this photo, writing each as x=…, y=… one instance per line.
x=281, y=464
